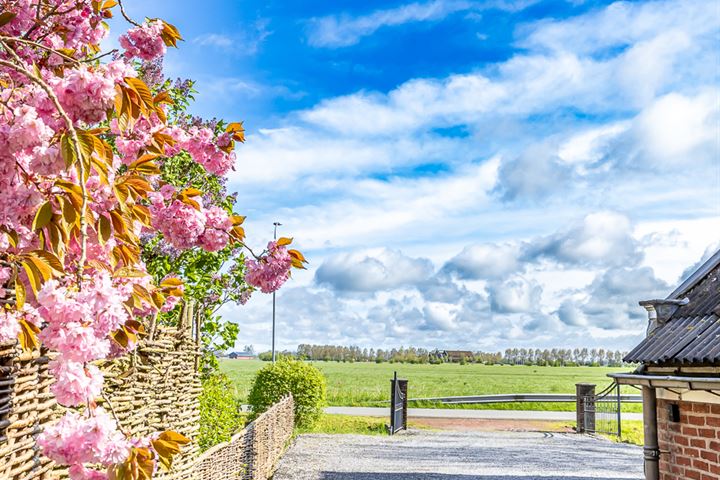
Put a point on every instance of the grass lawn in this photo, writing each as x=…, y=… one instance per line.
x=368, y=384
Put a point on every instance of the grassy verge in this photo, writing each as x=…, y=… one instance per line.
x=336, y=424
x=632, y=432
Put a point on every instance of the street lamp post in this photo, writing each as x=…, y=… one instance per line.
x=275, y=224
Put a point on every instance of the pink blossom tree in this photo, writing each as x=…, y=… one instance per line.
x=82, y=143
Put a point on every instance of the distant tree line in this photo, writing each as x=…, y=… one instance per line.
x=511, y=356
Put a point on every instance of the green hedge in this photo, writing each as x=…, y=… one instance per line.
x=305, y=382
x=220, y=415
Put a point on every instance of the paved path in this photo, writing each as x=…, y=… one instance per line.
x=467, y=413
x=423, y=455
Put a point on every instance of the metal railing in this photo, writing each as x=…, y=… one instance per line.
x=515, y=397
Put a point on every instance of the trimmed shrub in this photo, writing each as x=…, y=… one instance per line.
x=220, y=415
x=305, y=382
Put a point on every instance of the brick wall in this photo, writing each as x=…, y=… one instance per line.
x=690, y=448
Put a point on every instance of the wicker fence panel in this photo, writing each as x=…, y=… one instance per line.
x=253, y=453
x=26, y=405
x=154, y=389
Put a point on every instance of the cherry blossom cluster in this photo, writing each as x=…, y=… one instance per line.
x=185, y=225
x=78, y=325
x=144, y=41
x=271, y=271
x=207, y=149
x=80, y=438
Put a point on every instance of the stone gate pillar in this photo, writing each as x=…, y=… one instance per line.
x=583, y=390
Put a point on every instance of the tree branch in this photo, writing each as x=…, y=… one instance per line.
x=125, y=15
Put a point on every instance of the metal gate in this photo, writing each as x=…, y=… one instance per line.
x=603, y=411
x=398, y=405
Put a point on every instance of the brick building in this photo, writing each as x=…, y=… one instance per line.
x=680, y=378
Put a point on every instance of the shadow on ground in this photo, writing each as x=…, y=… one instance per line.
x=443, y=476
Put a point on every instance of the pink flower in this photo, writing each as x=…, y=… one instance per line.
x=9, y=326
x=180, y=224
x=170, y=303
x=28, y=130
x=5, y=274
x=201, y=145
x=91, y=437
x=271, y=271
x=144, y=41
x=75, y=341
x=215, y=237
x=86, y=94
x=75, y=383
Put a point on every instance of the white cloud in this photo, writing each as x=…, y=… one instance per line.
x=345, y=30
x=621, y=24
x=515, y=295
x=591, y=145
x=373, y=270
x=439, y=316
x=676, y=128
x=485, y=261
x=601, y=237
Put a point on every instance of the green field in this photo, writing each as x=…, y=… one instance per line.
x=368, y=384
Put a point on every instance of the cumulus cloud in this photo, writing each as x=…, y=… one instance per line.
x=611, y=301
x=515, y=295
x=371, y=271
x=439, y=316
x=484, y=261
x=534, y=174
x=345, y=30
x=603, y=238
x=676, y=128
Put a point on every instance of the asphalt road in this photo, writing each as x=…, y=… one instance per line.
x=467, y=413
x=423, y=455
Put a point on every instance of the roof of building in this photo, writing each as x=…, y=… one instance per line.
x=691, y=333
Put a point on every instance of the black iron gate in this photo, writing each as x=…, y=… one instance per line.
x=398, y=405
x=603, y=411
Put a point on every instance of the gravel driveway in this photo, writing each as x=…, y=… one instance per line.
x=422, y=455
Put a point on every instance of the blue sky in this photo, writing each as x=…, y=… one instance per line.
x=470, y=174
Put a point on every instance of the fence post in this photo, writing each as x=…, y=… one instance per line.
x=392, y=403
x=619, y=413
x=583, y=390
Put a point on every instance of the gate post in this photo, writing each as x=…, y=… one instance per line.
x=583, y=390
x=403, y=384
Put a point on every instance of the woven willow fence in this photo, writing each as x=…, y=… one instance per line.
x=155, y=388
x=253, y=453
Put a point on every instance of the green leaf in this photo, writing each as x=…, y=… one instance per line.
x=42, y=216
x=67, y=150
x=104, y=229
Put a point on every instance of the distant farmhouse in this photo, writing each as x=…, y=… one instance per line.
x=454, y=355
x=680, y=379
x=242, y=356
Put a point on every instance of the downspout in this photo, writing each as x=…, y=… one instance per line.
x=651, y=450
